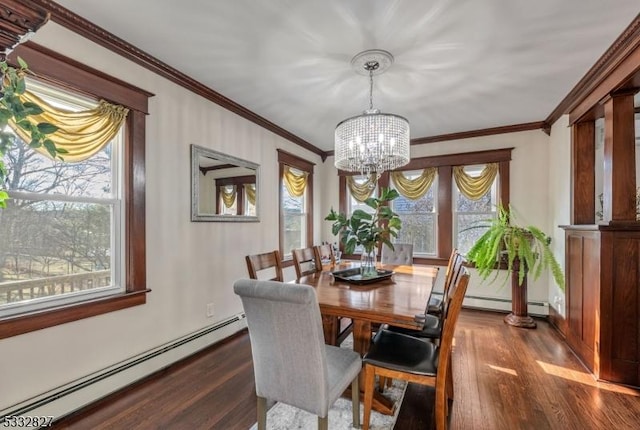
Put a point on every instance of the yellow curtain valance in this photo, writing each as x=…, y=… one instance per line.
x=414, y=188
x=295, y=183
x=250, y=191
x=228, y=196
x=475, y=187
x=82, y=134
x=361, y=192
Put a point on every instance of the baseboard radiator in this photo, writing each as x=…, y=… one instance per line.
x=501, y=304
x=68, y=398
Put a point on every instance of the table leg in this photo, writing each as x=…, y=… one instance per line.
x=361, y=343
x=330, y=329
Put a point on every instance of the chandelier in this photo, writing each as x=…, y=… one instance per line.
x=372, y=142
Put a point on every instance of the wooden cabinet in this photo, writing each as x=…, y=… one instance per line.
x=603, y=299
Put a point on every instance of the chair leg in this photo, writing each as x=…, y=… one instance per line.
x=323, y=423
x=369, y=386
x=440, y=409
x=262, y=413
x=449, y=381
x=382, y=383
x=355, y=401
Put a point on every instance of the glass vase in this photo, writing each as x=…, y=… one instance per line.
x=368, y=263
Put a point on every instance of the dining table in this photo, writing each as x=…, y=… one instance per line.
x=397, y=299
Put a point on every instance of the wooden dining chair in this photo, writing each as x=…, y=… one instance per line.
x=264, y=261
x=433, y=324
x=325, y=253
x=399, y=356
x=306, y=261
x=435, y=304
x=337, y=328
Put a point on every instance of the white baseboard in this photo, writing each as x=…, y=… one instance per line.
x=504, y=305
x=71, y=397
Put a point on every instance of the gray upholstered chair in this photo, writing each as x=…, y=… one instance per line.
x=402, y=254
x=291, y=362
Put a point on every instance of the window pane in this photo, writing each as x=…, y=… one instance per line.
x=469, y=214
x=66, y=249
x=295, y=221
x=32, y=172
x=418, y=219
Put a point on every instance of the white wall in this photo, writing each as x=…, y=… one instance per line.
x=188, y=264
x=559, y=165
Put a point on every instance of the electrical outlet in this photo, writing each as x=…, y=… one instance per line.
x=209, y=310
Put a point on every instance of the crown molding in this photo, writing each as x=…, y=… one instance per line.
x=18, y=20
x=621, y=48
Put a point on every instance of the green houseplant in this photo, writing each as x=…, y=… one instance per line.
x=12, y=85
x=506, y=242
x=370, y=230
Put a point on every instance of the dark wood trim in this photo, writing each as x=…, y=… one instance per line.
x=536, y=125
x=17, y=19
x=236, y=180
x=601, y=71
x=85, y=28
x=204, y=170
x=619, y=178
x=618, y=68
x=583, y=178
x=444, y=239
x=458, y=159
x=504, y=181
x=294, y=161
x=21, y=324
x=557, y=321
x=58, y=69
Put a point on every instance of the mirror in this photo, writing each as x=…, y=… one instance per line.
x=223, y=187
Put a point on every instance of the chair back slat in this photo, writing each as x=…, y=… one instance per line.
x=266, y=260
x=325, y=252
x=306, y=261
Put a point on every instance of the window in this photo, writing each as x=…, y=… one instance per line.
x=419, y=215
x=435, y=221
x=228, y=203
x=86, y=220
x=72, y=250
x=296, y=203
x=469, y=212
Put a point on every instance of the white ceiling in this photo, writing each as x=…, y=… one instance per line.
x=460, y=65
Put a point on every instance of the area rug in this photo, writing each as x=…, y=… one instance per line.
x=285, y=417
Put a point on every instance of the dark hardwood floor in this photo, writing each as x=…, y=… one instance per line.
x=505, y=378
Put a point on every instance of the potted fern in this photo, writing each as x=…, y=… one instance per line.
x=370, y=230
x=523, y=250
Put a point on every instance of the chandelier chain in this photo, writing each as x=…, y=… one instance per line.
x=370, y=89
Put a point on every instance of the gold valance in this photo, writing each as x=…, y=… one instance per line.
x=295, y=183
x=474, y=187
x=82, y=134
x=228, y=195
x=361, y=192
x=414, y=188
x=250, y=191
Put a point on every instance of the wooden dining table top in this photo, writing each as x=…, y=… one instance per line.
x=394, y=301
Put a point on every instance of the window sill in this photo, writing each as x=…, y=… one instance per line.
x=25, y=323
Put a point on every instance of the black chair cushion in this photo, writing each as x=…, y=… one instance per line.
x=404, y=353
x=432, y=328
x=435, y=306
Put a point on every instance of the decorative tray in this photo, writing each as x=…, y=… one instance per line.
x=353, y=276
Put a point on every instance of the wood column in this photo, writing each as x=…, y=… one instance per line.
x=519, y=316
x=583, y=160
x=619, y=186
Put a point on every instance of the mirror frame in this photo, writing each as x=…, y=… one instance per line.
x=196, y=153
